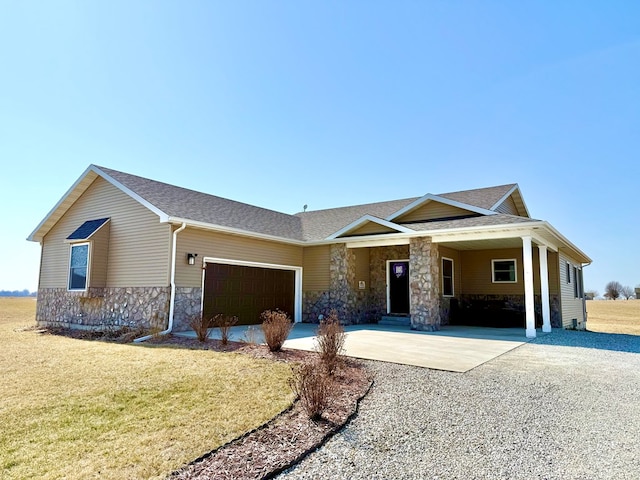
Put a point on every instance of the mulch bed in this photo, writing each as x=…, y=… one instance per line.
x=286, y=439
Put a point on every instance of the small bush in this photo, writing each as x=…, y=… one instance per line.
x=330, y=342
x=276, y=326
x=250, y=335
x=312, y=386
x=200, y=324
x=224, y=323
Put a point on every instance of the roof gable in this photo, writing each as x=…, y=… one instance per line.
x=369, y=225
x=421, y=207
x=512, y=203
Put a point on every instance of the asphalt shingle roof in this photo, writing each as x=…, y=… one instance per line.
x=315, y=225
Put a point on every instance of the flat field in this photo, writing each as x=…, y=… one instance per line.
x=85, y=409
x=614, y=316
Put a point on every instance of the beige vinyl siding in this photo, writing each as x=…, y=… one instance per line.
x=572, y=307
x=432, y=210
x=100, y=257
x=139, y=245
x=476, y=272
x=508, y=206
x=457, y=271
x=315, y=272
x=370, y=228
x=232, y=247
x=362, y=266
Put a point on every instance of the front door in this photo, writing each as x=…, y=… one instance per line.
x=398, y=281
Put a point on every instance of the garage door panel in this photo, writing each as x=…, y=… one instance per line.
x=246, y=291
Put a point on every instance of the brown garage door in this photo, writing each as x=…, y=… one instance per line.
x=247, y=291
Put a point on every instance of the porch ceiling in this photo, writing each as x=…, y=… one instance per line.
x=488, y=244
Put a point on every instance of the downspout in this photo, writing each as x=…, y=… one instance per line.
x=172, y=295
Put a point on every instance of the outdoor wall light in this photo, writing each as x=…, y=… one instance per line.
x=191, y=258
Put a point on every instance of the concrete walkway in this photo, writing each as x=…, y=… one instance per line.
x=454, y=348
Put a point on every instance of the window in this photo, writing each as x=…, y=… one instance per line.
x=504, y=271
x=78, y=266
x=447, y=277
x=568, y=273
x=576, y=293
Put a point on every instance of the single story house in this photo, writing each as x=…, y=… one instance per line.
x=119, y=249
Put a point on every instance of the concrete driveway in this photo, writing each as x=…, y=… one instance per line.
x=454, y=348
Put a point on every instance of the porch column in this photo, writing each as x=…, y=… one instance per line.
x=527, y=261
x=424, y=284
x=342, y=271
x=544, y=289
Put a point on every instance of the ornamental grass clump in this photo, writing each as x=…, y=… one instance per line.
x=224, y=323
x=200, y=324
x=311, y=384
x=330, y=342
x=276, y=326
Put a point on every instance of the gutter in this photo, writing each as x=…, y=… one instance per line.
x=172, y=298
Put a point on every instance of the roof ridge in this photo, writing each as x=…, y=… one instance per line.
x=199, y=192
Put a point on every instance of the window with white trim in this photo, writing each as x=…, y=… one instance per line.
x=504, y=270
x=568, y=272
x=78, y=266
x=447, y=277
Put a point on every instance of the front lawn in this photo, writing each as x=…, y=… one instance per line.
x=82, y=409
x=614, y=316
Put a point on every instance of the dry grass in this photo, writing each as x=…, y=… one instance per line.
x=82, y=409
x=619, y=316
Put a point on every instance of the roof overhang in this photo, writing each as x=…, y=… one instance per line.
x=541, y=232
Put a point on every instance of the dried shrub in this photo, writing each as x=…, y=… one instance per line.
x=224, y=323
x=200, y=324
x=312, y=386
x=250, y=335
x=276, y=326
x=330, y=342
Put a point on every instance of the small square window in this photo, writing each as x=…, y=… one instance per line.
x=447, y=277
x=504, y=271
x=78, y=266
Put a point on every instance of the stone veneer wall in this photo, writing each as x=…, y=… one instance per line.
x=424, y=284
x=516, y=303
x=341, y=296
x=378, y=256
x=146, y=307
x=188, y=303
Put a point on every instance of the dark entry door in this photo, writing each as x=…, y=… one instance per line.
x=247, y=291
x=399, y=287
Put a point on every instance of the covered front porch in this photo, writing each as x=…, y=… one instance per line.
x=501, y=279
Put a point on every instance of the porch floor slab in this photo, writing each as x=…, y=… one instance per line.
x=453, y=348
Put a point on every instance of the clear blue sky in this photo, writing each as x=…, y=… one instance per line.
x=282, y=104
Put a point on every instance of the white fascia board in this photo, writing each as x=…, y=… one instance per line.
x=164, y=218
x=34, y=237
x=366, y=219
x=235, y=231
x=566, y=241
x=435, y=198
x=515, y=188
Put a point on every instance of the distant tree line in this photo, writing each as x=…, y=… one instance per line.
x=17, y=293
x=614, y=290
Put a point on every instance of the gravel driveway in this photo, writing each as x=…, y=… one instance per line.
x=566, y=406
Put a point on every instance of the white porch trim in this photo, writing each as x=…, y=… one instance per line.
x=527, y=262
x=544, y=289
